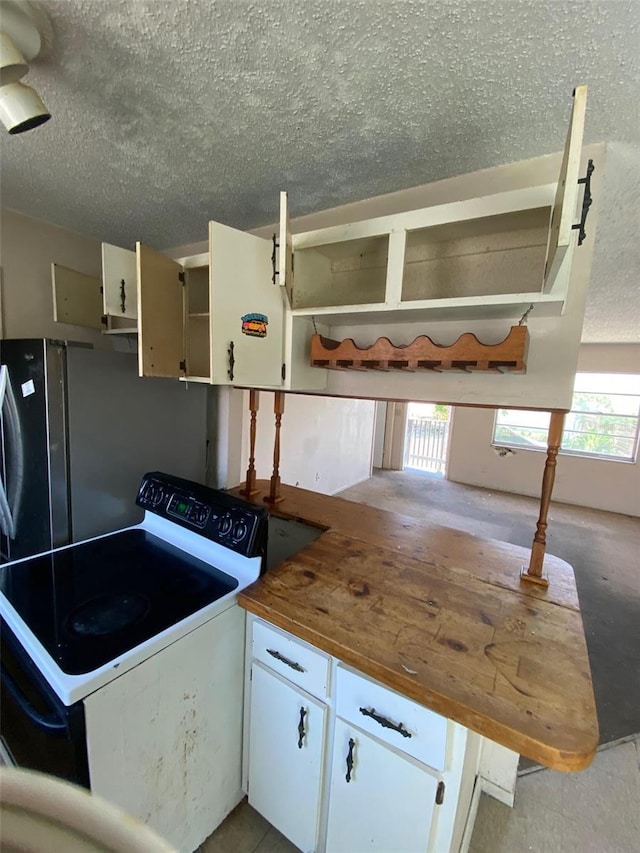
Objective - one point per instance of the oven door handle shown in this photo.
(51, 723)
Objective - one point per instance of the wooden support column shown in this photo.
(534, 573)
(274, 495)
(250, 484)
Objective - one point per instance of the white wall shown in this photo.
(326, 444)
(378, 439)
(28, 247)
(595, 483)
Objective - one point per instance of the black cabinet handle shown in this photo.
(232, 361)
(587, 200)
(384, 722)
(275, 654)
(123, 296)
(352, 743)
(301, 731)
(276, 272)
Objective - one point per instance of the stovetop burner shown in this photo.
(108, 614)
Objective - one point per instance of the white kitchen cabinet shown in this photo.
(379, 801)
(411, 772)
(286, 753)
(487, 257)
(76, 297)
(213, 318)
(119, 290)
(392, 718)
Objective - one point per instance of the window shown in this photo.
(603, 421)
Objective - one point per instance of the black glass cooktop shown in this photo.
(92, 602)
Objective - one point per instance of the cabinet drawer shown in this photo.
(398, 721)
(291, 658)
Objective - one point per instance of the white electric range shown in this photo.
(122, 657)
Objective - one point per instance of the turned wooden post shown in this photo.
(534, 572)
(274, 495)
(250, 484)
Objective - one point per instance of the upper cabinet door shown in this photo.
(563, 212)
(285, 252)
(247, 311)
(76, 298)
(119, 282)
(160, 313)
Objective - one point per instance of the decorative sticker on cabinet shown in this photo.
(255, 325)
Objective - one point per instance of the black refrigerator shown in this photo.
(79, 429)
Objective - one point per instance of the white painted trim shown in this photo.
(471, 817)
(498, 793)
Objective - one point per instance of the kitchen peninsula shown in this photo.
(441, 617)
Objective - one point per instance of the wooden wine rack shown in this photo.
(467, 354)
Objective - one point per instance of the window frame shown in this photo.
(584, 454)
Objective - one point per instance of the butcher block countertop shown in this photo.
(442, 617)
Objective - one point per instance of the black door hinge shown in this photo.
(440, 794)
(103, 319)
(183, 366)
(101, 289)
(181, 277)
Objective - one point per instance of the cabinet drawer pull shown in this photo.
(276, 245)
(275, 654)
(384, 722)
(301, 731)
(352, 743)
(232, 360)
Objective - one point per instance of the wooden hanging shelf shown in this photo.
(467, 354)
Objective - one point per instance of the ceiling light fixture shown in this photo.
(21, 107)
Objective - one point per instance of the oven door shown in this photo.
(38, 730)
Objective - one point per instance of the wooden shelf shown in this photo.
(467, 354)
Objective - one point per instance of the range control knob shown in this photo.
(154, 493)
(224, 525)
(239, 530)
(201, 514)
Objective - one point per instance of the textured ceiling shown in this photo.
(168, 113)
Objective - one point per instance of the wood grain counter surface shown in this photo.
(441, 616)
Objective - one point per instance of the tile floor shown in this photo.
(594, 811)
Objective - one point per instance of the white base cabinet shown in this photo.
(378, 800)
(286, 752)
(342, 764)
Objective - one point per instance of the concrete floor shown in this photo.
(595, 811)
(598, 809)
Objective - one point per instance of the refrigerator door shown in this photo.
(33, 447)
(120, 427)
